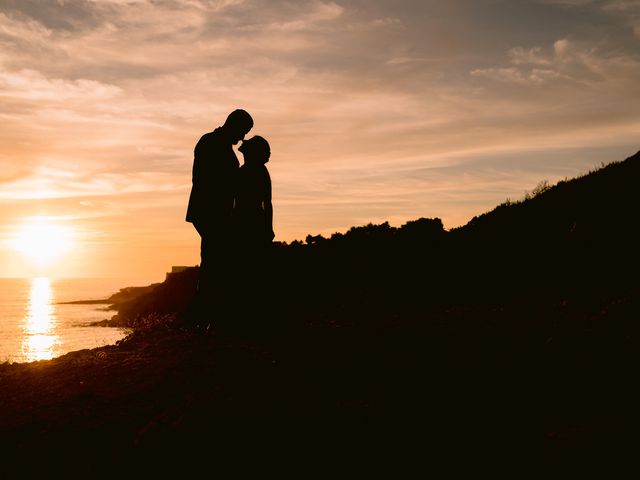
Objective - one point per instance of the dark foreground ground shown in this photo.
(547, 380)
(514, 337)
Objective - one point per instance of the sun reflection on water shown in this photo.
(40, 321)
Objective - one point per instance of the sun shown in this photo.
(42, 240)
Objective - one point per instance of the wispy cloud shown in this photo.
(566, 60)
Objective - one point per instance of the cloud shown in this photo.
(568, 3)
(522, 56)
(622, 6)
(626, 10)
(318, 13)
(535, 76)
(32, 85)
(48, 183)
(629, 10)
(565, 61)
(386, 22)
(69, 15)
(560, 47)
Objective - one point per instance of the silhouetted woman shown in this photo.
(253, 211)
(253, 220)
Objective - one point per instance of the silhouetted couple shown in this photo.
(230, 207)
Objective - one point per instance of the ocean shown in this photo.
(34, 325)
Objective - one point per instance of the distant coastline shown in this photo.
(86, 302)
(122, 296)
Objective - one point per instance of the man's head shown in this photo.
(237, 125)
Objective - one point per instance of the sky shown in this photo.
(375, 110)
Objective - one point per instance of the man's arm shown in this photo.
(193, 207)
(197, 172)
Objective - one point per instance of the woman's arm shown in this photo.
(268, 207)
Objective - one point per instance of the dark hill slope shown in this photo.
(581, 232)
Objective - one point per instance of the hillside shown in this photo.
(574, 239)
(580, 232)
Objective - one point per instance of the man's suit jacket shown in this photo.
(214, 176)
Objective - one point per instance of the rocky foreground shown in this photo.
(560, 379)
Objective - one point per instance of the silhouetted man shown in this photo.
(215, 169)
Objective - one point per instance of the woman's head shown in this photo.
(256, 149)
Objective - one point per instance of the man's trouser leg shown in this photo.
(215, 281)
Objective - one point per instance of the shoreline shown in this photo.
(85, 302)
(109, 320)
